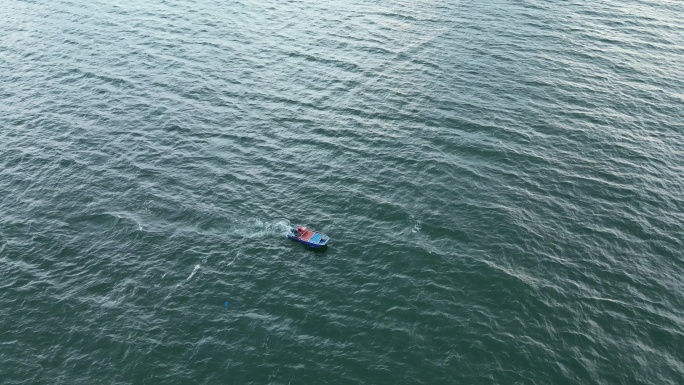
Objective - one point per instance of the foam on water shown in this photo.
(255, 228)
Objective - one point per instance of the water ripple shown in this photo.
(502, 183)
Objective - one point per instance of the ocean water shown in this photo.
(502, 181)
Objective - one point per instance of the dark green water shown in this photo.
(503, 183)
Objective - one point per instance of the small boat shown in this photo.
(308, 237)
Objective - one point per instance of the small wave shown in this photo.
(192, 274)
(126, 216)
(236, 257)
(197, 266)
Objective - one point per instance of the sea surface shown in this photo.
(502, 181)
